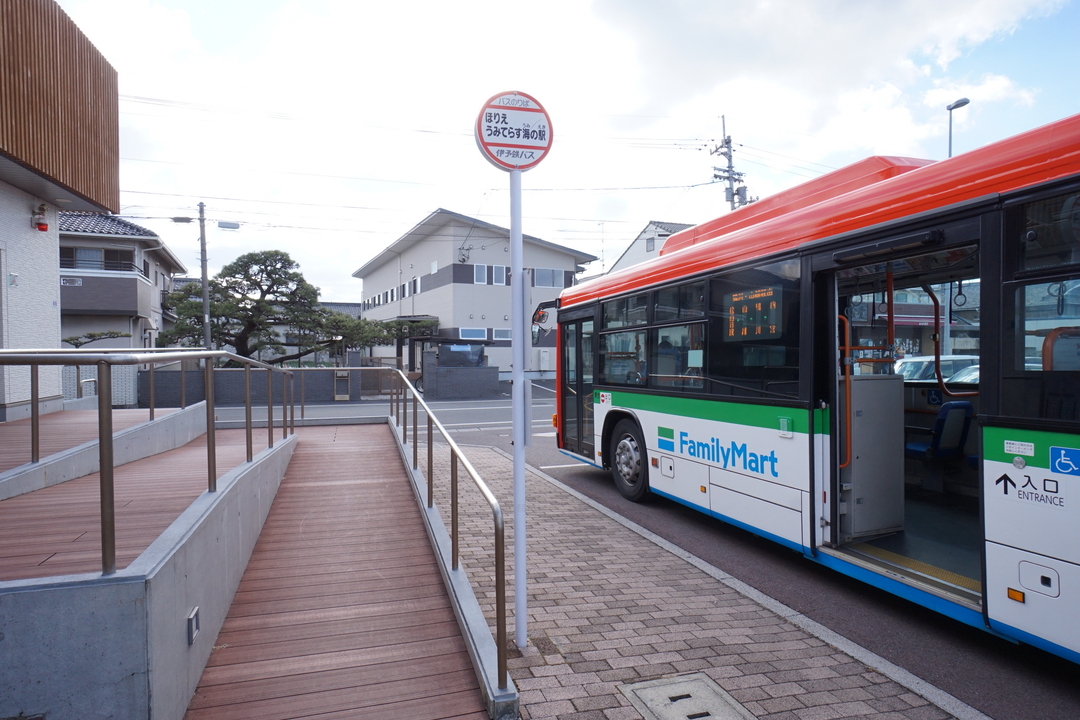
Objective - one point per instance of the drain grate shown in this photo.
(684, 697)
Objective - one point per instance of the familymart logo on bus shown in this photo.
(733, 455)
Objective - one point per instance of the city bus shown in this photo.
(750, 372)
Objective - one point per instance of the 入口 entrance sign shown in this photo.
(513, 131)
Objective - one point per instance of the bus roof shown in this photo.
(810, 212)
(866, 172)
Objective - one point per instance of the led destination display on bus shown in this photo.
(753, 314)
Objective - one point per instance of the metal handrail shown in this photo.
(399, 412)
(104, 360)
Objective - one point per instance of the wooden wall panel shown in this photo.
(59, 113)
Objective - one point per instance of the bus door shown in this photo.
(905, 448)
(577, 389)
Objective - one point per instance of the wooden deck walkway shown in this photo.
(341, 612)
(61, 431)
(57, 530)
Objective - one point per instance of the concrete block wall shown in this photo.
(318, 386)
(125, 387)
(458, 383)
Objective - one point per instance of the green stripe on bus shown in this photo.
(996, 439)
(664, 432)
(765, 416)
(821, 421)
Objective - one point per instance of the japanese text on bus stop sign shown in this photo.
(513, 131)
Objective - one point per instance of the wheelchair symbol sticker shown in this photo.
(933, 397)
(1065, 460)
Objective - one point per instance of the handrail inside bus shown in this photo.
(937, 347)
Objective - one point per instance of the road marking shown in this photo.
(552, 467)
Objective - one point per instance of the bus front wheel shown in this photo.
(628, 462)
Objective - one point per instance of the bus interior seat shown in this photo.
(948, 435)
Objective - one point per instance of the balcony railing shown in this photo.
(108, 265)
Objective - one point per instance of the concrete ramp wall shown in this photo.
(167, 432)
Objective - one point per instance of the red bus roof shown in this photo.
(866, 172)
(1047, 153)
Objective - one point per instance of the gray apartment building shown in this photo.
(457, 269)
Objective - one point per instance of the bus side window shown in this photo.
(1041, 365)
(622, 358)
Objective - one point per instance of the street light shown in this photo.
(958, 104)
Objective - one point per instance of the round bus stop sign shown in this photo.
(513, 131)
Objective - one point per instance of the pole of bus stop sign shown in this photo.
(513, 132)
(517, 310)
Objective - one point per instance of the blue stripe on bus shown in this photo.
(949, 608)
(580, 459)
(668, 445)
(797, 547)
(1034, 640)
(925, 599)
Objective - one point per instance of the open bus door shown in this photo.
(904, 490)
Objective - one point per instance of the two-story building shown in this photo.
(457, 269)
(114, 276)
(59, 149)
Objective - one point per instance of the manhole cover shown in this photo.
(685, 697)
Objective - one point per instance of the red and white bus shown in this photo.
(749, 372)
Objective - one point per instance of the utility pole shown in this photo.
(735, 196)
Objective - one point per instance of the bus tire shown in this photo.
(629, 464)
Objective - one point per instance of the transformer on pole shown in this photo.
(736, 196)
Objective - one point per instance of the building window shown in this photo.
(498, 274)
(393, 294)
(650, 244)
(416, 286)
(480, 274)
(547, 277)
(472, 333)
(501, 334)
(434, 266)
(89, 258)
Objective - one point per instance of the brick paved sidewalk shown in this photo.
(608, 607)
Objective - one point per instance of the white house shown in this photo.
(457, 269)
(647, 244)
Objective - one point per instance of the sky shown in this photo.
(329, 128)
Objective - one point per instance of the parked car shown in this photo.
(921, 367)
(970, 374)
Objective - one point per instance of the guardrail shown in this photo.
(401, 391)
(104, 360)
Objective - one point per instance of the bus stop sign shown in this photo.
(513, 131)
